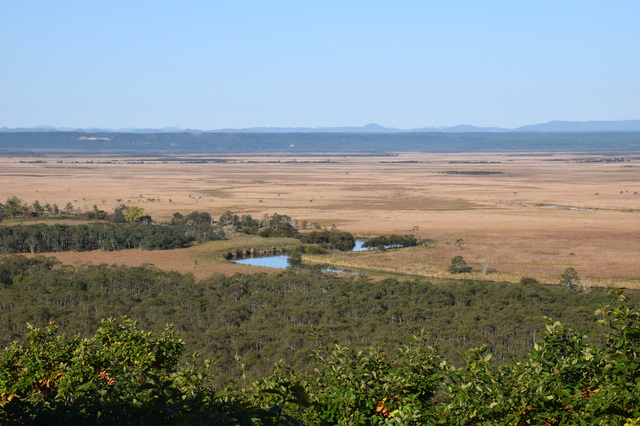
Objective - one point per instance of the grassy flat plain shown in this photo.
(519, 214)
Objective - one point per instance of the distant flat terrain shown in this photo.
(520, 214)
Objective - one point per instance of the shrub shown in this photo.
(458, 266)
(528, 281)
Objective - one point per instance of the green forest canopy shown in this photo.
(265, 318)
(124, 375)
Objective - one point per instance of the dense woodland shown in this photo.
(264, 318)
(127, 227)
(41, 238)
(247, 323)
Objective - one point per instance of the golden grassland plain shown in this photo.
(518, 214)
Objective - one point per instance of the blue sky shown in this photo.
(232, 64)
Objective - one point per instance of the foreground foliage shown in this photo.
(123, 375)
(565, 380)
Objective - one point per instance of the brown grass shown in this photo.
(201, 260)
(498, 216)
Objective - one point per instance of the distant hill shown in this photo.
(583, 126)
(462, 128)
(552, 126)
(369, 128)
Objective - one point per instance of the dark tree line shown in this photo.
(332, 240)
(274, 226)
(15, 208)
(124, 229)
(129, 227)
(389, 241)
(41, 238)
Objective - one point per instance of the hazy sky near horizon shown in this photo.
(233, 64)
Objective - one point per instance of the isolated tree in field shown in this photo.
(458, 266)
(570, 278)
(485, 267)
(459, 242)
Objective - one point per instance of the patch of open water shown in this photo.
(282, 261)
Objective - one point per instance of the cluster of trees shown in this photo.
(283, 226)
(274, 226)
(42, 238)
(388, 241)
(193, 218)
(330, 239)
(181, 229)
(14, 208)
(123, 375)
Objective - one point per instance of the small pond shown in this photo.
(282, 261)
(358, 246)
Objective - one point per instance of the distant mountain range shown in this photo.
(551, 126)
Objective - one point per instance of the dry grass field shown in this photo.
(522, 215)
(200, 260)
